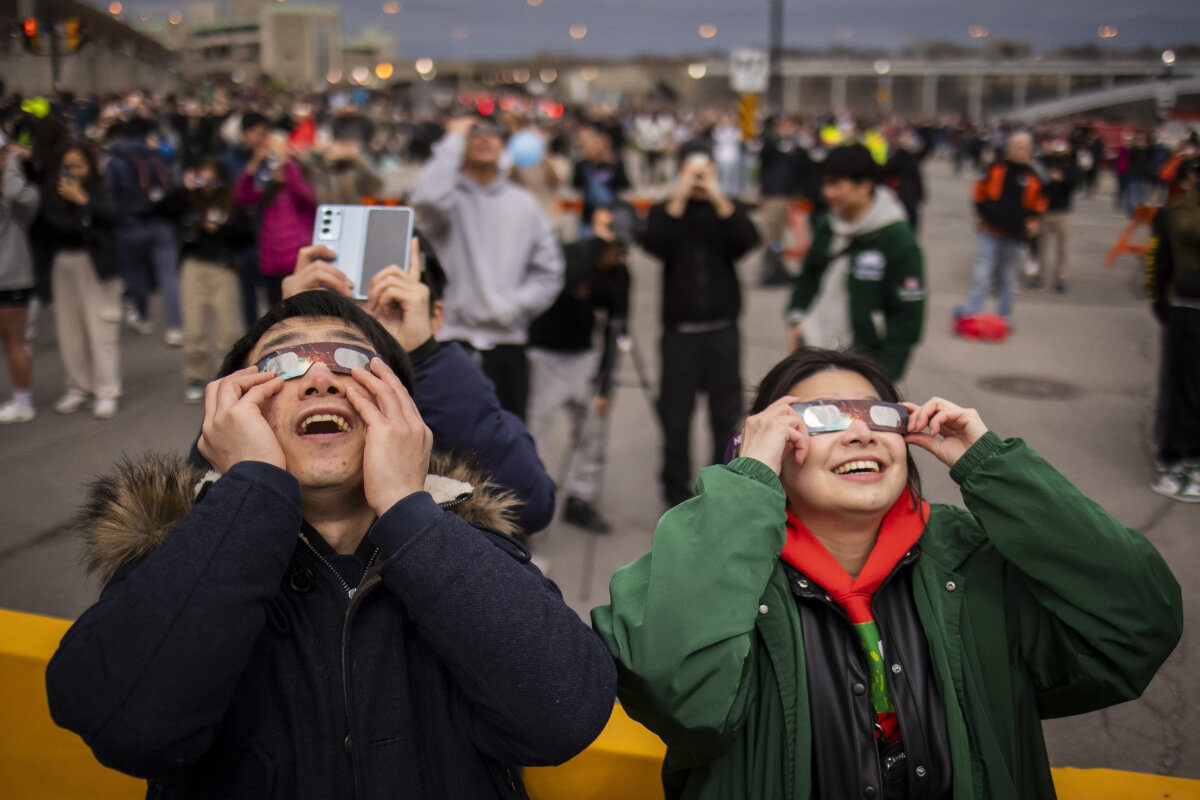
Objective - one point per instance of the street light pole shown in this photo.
(775, 87)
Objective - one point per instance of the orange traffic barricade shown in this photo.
(1125, 244)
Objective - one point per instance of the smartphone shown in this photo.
(367, 240)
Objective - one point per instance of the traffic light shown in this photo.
(30, 28)
(74, 34)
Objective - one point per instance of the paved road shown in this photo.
(1098, 338)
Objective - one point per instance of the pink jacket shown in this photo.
(286, 224)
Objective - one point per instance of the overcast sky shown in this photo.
(488, 29)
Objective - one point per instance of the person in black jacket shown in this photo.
(1061, 179)
(567, 372)
(78, 216)
(787, 174)
(699, 234)
(214, 232)
(325, 618)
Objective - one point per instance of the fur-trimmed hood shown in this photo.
(130, 511)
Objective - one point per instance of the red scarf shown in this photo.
(901, 528)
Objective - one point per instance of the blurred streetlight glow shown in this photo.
(521, 76)
(1107, 31)
(578, 31)
(589, 73)
(175, 18)
(114, 8)
(334, 76)
(708, 31)
(424, 65)
(548, 75)
(1168, 57)
(534, 3)
(883, 66)
(697, 70)
(360, 75)
(383, 70)
(977, 31)
(391, 7)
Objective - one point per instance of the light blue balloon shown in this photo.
(526, 148)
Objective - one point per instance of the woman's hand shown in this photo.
(396, 454)
(234, 427)
(775, 433)
(958, 428)
(70, 190)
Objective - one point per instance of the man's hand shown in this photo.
(261, 154)
(460, 125)
(313, 271)
(708, 182)
(396, 455)
(234, 428)
(959, 428)
(400, 301)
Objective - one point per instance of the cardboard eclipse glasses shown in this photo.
(830, 416)
(292, 362)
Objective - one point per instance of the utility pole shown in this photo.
(775, 88)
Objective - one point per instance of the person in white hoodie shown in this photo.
(862, 284)
(503, 263)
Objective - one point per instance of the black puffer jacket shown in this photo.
(226, 657)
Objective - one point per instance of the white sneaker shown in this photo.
(11, 412)
(174, 337)
(194, 393)
(1177, 483)
(70, 402)
(104, 409)
(142, 326)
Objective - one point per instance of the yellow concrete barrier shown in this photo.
(40, 761)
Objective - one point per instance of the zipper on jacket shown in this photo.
(350, 591)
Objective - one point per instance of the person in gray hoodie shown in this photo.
(18, 207)
(503, 263)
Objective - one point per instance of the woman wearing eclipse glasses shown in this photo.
(809, 626)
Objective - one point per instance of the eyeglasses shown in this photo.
(489, 129)
(292, 362)
(830, 416)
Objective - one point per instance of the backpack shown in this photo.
(151, 183)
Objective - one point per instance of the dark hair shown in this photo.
(690, 148)
(221, 197)
(433, 274)
(808, 361)
(1188, 168)
(253, 119)
(850, 162)
(322, 303)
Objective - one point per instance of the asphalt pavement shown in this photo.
(1076, 380)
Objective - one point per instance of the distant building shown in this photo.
(298, 45)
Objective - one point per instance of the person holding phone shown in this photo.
(79, 217)
(213, 233)
(699, 234)
(276, 183)
(809, 626)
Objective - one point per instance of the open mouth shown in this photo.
(858, 468)
(323, 423)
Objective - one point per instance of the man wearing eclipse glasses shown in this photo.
(501, 257)
(332, 615)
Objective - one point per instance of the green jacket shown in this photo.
(1035, 602)
(887, 275)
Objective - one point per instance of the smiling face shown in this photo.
(321, 434)
(857, 472)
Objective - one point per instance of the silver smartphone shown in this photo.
(367, 239)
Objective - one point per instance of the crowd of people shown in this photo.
(332, 591)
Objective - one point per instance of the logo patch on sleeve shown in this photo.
(869, 265)
(911, 289)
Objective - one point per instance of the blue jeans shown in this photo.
(144, 245)
(993, 254)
